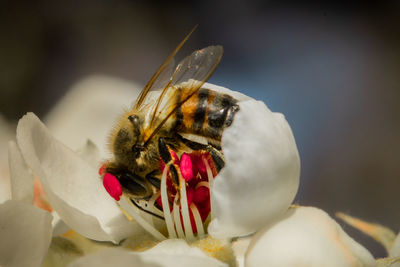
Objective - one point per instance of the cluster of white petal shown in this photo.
(261, 175)
(169, 253)
(306, 236)
(71, 184)
(394, 251)
(252, 194)
(25, 233)
(6, 134)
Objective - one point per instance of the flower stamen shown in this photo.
(178, 223)
(151, 205)
(191, 200)
(185, 210)
(197, 220)
(127, 205)
(210, 179)
(165, 203)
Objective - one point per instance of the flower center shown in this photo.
(185, 209)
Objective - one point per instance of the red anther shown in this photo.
(186, 167)
(112, 185)
(204, 209)
(190, 195)
(200, 167)
(198, 164)
(201, 194)
(102, 169)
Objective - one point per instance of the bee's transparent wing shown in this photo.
(197, 68)
(162, 76)
(191, 73)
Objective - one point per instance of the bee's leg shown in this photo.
(154, 180)
(217, 157)
(192, 145)
(167, 158)
(215, 153)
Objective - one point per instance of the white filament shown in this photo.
(151, 205)
(197, 220)
(131, 210)
(210, 181)
(165, 203)
(178, 223)
(185, 210)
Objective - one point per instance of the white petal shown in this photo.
(109, 257)
(177, 253)
(395, 250)
(59, 226)
(261, 175)
(5, 188)
(306, 236)
(21, 176)
(90, 110)
(73, 187)
(90, 153)
(25, 233)
(240, 247)
(62, 251)
(169, 253)
(6, 134)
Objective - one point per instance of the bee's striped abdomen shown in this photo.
(201, 110)
(206, 113)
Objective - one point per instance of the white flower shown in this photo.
(306, 237)
(22, 182)
(253, 190)
(25, 233)
(6, 134)
(258, 183)
(261, 175)
(71, 184)
(169, 253)
(395, 249)
(394, 252)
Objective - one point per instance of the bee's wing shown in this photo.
(161, 78)
(191, 73)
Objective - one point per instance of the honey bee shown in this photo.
(185, 116)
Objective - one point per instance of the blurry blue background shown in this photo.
(332, 68)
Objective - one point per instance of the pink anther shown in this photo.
(186, 167)
(112, 185)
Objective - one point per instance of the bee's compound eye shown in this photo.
(133, 184)
(112, 186)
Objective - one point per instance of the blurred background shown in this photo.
(332, 67)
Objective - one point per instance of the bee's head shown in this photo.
(126, 142)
